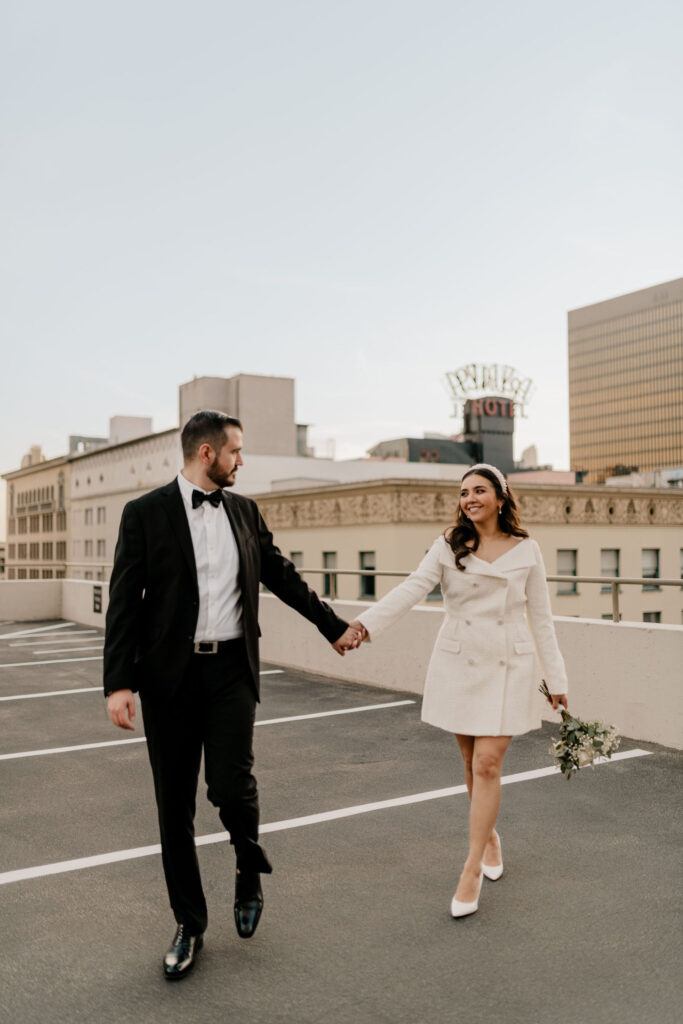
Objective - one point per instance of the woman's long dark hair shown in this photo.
(463, 536)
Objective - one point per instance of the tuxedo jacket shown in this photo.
(154, 596)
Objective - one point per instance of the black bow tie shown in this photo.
(199, 496)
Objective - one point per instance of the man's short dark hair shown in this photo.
(206, 427)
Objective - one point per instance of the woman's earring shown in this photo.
(500, 510)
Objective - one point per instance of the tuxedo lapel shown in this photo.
(175, 509)
(239, 530)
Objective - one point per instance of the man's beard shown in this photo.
(220, 477)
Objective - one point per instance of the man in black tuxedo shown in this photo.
(182, 629)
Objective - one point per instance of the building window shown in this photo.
(12, 552)
(21, 551)
(87, 575)
(48, 520)
(88, 517)
(61, 550)
(566, 566)
(101, 514)
(47, 551)
(34, 524)
(34, 551)
(609, 565)
(88, 549)
(22, 524)
(21, 574)
(652, 616)
(12, 525)
(367, 583)
(297, 559)
(47, 574)
(60, 574)
(650, 567)
(34, 574)
(101, 548)
(329, 581)
(61, 522)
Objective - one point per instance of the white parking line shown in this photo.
(51, 661)
(61, 661)
(141, 739)
(92, 689)
(37, 629)
(52, 693)
(328, 714)
(63, 638)
(80, 863)
(68, 650)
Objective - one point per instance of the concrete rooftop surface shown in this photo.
(365, 821)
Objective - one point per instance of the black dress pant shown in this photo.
(212, 711)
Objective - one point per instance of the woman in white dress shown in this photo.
(483, 675)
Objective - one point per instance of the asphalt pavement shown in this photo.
(367, 839)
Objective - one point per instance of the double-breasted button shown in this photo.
(500, 622)
(502, 661)
(468, 622)
(470, 661)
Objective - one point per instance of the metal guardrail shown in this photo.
(614, 582)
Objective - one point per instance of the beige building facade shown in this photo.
(264, 406)
(38, 518)
(582, 531)
(102, 481)
(626, 382)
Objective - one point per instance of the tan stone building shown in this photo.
(582, 531)
(38, 518)
(626, 382)
(102, 481)
(264, 405)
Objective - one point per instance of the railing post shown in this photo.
(615, 602)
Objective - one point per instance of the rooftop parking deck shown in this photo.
(365, 818)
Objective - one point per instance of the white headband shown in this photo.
(492, 469)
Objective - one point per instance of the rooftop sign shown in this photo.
(476, 380)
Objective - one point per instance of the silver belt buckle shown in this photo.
(211, 644)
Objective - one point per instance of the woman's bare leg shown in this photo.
(487, 762)
(492, 854)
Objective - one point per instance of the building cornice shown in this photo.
(433, 501)
(38, 467)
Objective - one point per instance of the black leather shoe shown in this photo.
(182, 954)
(248, 902)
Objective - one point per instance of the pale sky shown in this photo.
(359, 195)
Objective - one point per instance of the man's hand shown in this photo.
(351, 638)
(121, 708)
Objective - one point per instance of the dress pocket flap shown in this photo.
(450, 645)
(524, 647)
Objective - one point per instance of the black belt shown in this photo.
(215, 646)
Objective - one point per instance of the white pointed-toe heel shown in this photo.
(460, 909)
(494, 871)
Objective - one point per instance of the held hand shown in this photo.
(557, 699)
(121, 708)
(351, 638)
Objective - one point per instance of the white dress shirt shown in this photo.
(217, 560)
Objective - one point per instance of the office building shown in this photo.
(626, 383)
